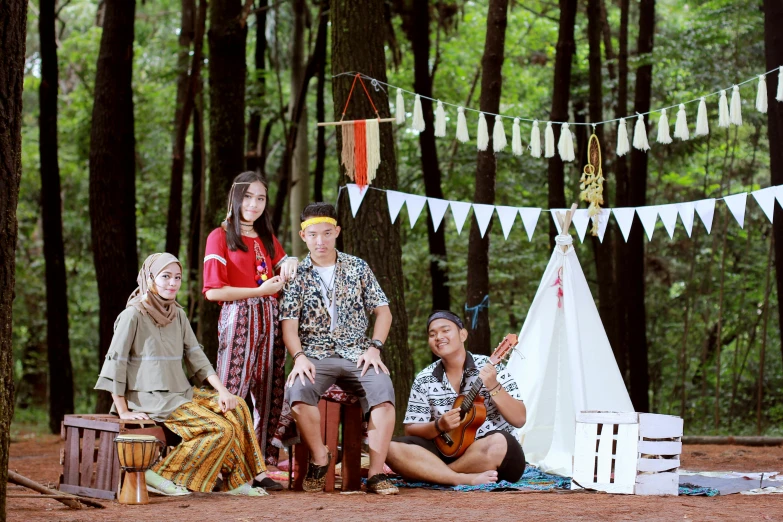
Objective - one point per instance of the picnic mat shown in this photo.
(732, 482)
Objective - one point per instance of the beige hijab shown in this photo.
(146, 298)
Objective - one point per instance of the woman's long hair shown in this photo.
(262, 225)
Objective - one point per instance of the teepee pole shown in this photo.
(565, 222)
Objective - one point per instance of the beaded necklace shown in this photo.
(260, 264)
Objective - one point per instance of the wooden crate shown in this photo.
(90, 464)
(334, 414)
(626, 452)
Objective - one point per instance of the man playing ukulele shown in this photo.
(496, 454)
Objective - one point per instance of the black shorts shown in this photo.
(511, 468)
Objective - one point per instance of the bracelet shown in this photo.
(437, 425)
(493, 393)
(494, 388)
(297, 354)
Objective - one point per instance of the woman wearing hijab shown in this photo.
(144, 373)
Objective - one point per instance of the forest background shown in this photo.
(708, 344)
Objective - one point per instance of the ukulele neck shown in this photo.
(467, 403)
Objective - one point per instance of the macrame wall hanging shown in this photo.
(592, 182)
(361, 153)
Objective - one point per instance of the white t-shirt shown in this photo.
(327, 275)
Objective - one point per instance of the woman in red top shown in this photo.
(241, 258)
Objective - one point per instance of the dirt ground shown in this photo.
(37, 457)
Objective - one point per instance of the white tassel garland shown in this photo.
(549, 141)
(723, 110)
(640, 135)
(761, 95)
(535, 140)
(462, 126)
(622, 139)
(418, 115)
(681, 125)
(663, 129)
(440, 121)
(702, 124)
(399, 107)
(779, 96)
(566, 144)
(482, 137)
(735, 109)
(499, 140)
(516, 139)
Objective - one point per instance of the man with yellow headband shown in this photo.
(324, 317)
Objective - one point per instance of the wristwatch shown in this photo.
(377, 344)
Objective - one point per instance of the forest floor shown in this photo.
(37, 457)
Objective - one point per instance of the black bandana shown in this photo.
(445, 314)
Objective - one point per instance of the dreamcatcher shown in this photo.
(592, 182)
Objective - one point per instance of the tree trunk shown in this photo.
(254, 160)
(418, 28)
(566, 47)
(196, 235)
(477, 302)
(299, 179)
(13, 33)
(227, 69)
(637, 332)
(320, 105)
(113, 173)
(773, 50)
(604, 251)
(359, 46)
(58, 344)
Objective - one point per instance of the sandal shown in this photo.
(268, 484)
(162, 486)
(381, 484)
(246, 490)
(315, 480)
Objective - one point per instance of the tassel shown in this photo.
(663, 129)
(735, 109)
(440, 121)
(640, 135)
(418, 115)
(499, 140)
(549, 141)
(723, 110)
(360, 152)
(681, 125)
(702, 124)
(761, 95)
(482, 137)
(399, 107)
(373, 149)
(566, 144)
(347, 155)
(779, 97)
(462, 126)
(516, 139)
(622, 139)
(535, 140)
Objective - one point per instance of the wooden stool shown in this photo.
(90, 464)
(332, 415)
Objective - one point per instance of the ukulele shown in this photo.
(473, 412)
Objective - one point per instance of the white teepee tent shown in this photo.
(563, 362)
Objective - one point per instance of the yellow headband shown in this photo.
(316, 220)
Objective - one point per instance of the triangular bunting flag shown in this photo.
(624, 217)
(395, 201)
(779, 194)
(529, 219)
(648, 216)
(668, 215)
(686, 216)
(603, 221)
(706, 210)
(766, 200)
(415, 205)
(736, 204)
(438, 209)
(580, 220)
(459, 211)
(483, 215)
(356, 195)
(507, 216)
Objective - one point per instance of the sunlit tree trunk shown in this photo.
(320, 104)
(254, 159)
(299, 180)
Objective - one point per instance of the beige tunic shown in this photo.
(145, 363)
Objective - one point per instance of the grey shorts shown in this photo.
(372, 389)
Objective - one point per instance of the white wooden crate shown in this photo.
(627, 452)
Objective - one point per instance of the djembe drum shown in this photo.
(137, 454)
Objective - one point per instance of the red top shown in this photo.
(222, 267)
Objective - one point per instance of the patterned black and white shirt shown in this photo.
(432, 394)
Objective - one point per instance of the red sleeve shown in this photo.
(279, 253)
(215, 255)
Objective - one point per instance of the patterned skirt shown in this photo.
(212, 442)
(251, 359)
